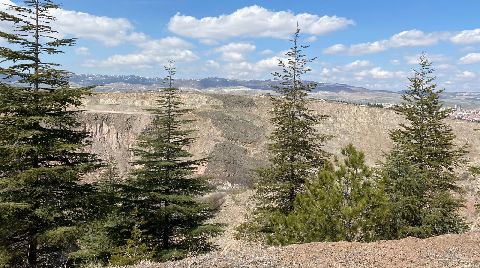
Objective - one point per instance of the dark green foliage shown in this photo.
(41, 158)
(475, 170)
(101, 237)
(419, 170)
(163, 189)
(134, 251)
(295, 152)
(348, 203)
(295, 148)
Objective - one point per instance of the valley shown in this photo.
(232, 129)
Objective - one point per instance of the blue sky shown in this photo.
(374, 43)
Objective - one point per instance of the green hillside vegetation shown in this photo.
(347, 203)
(415, 193)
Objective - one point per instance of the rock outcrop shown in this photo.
(232, 130)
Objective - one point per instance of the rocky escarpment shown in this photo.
(232, 129)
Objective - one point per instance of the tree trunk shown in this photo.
(32, 251)
(166, 230)
(291, 197)
(166, 234)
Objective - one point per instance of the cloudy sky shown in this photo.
(373, 43)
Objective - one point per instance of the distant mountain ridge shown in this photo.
(328, 91)
(205, 83)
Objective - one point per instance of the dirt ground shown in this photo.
(461, 250)
(444, 251)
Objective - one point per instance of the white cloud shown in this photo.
(109, 31)
(255, 21)
(267, 52)
(470, 58)
(151, 53)
(5, 26)
(365, 76)
(251, 70)
(269, 64)
(116, 31)
(467, 37)
(413, 38)
(378, 73)
(335, 49)
(357, 64)
(208, 42)
(410, 38)
(167, 42)
(82, 51)
(368, 48)
(212, 64)
(395, 62)
(235, 51)
(415, 59)
(312, 39)
(443, 66)
(466, 75)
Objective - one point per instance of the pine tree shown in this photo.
(41, 158)
(295, 148)
(348, 203)
(105, 235)
(420, 170)
(135, 249)
(164, 188)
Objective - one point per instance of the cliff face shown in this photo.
(229, 130)
(232, 130)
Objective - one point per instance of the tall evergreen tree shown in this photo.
(420, 170)
(41, 158)
(295, 148)
(164, 189)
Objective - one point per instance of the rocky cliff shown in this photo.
(232, 130)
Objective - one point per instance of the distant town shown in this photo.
(472, 115)
(466, 105)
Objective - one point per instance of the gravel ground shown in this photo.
(443, 251)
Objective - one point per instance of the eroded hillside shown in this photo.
(232, 130)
